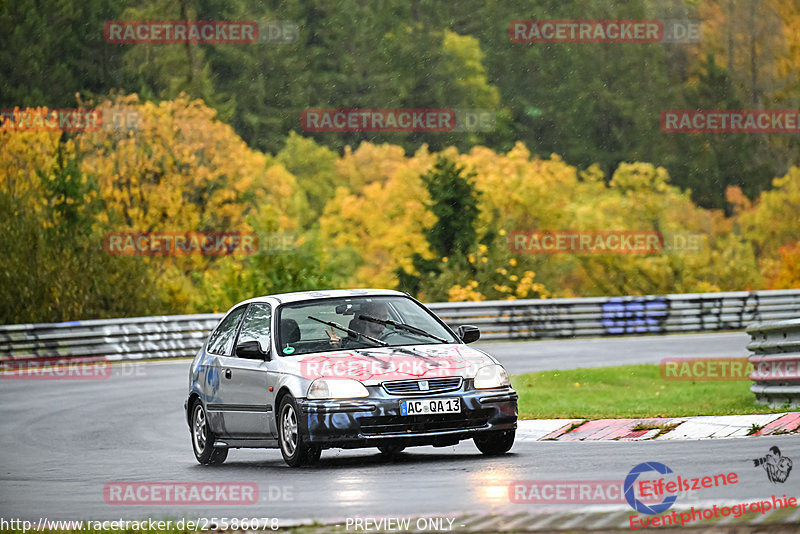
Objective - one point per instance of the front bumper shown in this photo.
(375, 420)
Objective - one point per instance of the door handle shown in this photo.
(227, 373)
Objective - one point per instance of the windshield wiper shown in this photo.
(350, 331)
(401, 326)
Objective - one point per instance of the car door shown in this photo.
(244, 382)
(219, 342)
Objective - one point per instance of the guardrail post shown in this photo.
(775, 347)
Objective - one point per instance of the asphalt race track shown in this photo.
(63, 441)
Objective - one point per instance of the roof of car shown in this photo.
(297, 296)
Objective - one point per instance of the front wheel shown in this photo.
(295, 450)
(203, 438)
(495, 443)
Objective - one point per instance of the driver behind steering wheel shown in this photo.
(376, 310)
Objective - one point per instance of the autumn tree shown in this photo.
(376, 223)
(771, 226)
(54, 267)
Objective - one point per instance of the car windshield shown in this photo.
(356, 322)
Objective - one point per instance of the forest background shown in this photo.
(217, 146)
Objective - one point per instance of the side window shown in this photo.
(256, 326)
(221, 340)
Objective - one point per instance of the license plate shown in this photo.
(429, 406)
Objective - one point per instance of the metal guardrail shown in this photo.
(776, 362)
(166, 336)
(602, 316)
(182, 335)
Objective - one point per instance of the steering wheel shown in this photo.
(384, 335)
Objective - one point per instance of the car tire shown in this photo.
(313, 455)
(390, 451)
(295, 450)
(495, 443)
(203, 438)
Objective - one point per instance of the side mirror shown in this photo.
(469, 333)
(251, 350)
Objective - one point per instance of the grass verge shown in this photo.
(628, 391)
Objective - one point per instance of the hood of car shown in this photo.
(372, 366)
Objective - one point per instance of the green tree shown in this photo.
(314, 167)
(710, 163)
(52, 50)
(454, 202)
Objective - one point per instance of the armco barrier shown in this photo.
(182, 335)
(167, 336)
(776, 347)
(601, 316)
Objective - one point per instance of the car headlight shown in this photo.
(336, 388)
(491, 376)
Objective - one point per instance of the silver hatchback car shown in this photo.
(314, 370)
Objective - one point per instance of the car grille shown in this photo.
(411, 424)
(436, 385)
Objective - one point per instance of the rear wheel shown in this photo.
(203, 438)
(295, 450)
(495, 443)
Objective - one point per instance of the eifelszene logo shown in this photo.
(669, 488)
(630, 495)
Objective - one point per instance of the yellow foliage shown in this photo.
(183, 170)
(180, 170)
(773, 220)
(788, 272)
(384, 221)
(467, 293)
(22, 153)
